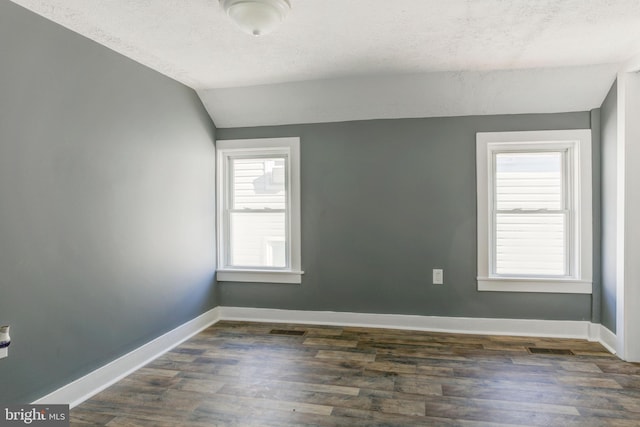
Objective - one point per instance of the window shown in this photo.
(534, 211)
(259, 210)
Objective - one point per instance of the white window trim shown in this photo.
(580, 281)
(290, 146)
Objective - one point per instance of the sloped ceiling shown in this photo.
(335, 60)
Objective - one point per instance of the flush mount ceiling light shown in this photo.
(256, 17)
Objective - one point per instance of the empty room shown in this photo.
(319, 213)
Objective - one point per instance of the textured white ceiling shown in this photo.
(339, 40)
(549, 90)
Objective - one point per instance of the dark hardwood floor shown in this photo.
(241, 374)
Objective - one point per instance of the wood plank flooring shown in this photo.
(240, 374)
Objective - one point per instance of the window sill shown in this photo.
(511, 284)
(260, 276)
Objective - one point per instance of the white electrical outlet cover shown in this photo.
(438, 276)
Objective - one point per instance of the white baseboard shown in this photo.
(608, 339)
(466, 325)
(83, 388)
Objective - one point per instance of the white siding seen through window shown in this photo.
(257, 218)
(530, 216)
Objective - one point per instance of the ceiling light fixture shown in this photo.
(256, 17)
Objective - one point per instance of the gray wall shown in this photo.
(609, 132)
(106, 204)
(384, 202)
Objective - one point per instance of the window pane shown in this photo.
(530, 244)
(529, 181)
(257, 239)
(258, 183)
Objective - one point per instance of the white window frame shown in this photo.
(290, 148)
(577, 143)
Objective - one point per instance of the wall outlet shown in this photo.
(438, 276)
(4, 352)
